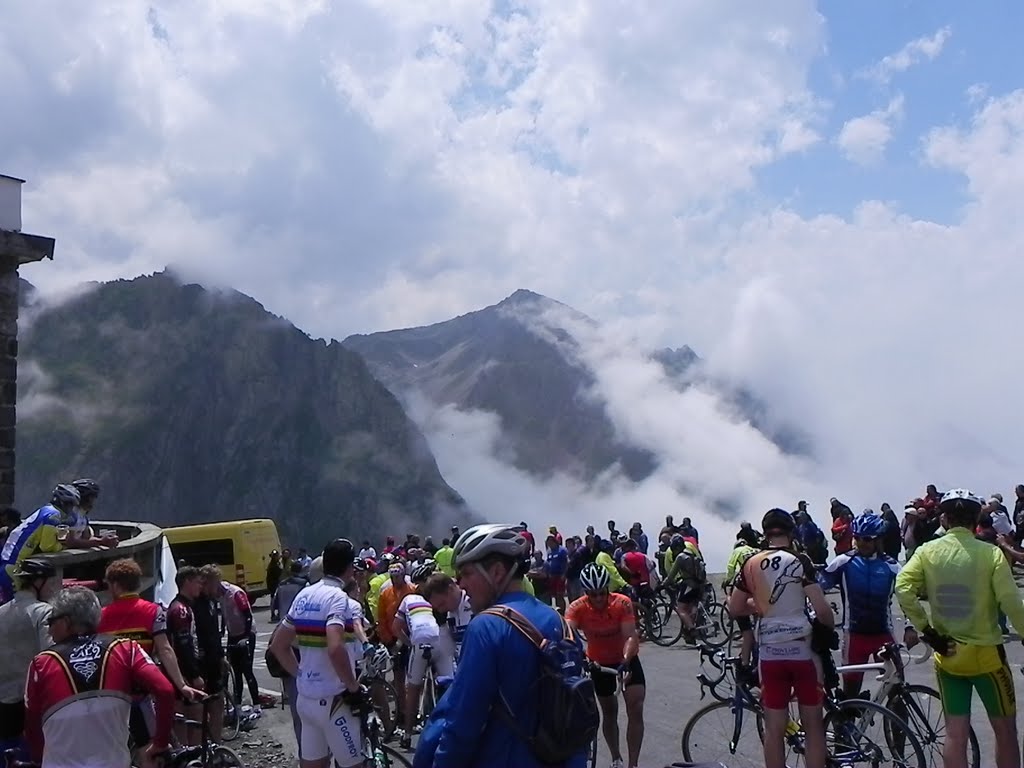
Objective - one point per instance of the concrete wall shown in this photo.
(10, 204)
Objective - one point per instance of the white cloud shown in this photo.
(863, 139)
(361, 165)
(915, 52)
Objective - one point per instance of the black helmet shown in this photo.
(87, 488)
(66, 495)
(34, 569)
(777, 521)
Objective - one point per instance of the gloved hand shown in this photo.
(358, 701)
(942, 644)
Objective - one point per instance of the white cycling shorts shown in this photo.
(329, 729)
(442, 659)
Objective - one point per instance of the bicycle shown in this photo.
(376, 752)
(721, 722)
(913, 703)
(591, 668)
(208, 754)
(707, 627)
(382, 694)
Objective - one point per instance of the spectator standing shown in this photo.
(688, 531)
(670, 528)
(274, 573)
(557, 566)
(1018, 512)
(528, 535)
(304, 559)
(579, 556)
(443, 557)
(286, 560)
(892, 539)
(842, 520)
(24, 632)
(289, 588)
(636, 533)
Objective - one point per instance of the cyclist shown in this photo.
(45, 530)
(741, 552)
(776, 584)
(641, 571)
(209, 635)
(24, 632)
(443, 557)
(605, 560)
(241, 639)
(329, 695)
(687, 577)
(967, 582)
(181, 624)
(499, 665)
(867, 578)
(132, 618)
(82, 534)
(78, 693)
(417, 628)
(394, 591)
(447, 597)
(609, 623)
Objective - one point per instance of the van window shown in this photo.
(198, 553)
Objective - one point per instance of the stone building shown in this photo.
(16, 248)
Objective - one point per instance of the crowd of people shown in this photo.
(483, 612)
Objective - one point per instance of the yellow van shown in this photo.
(240, 547)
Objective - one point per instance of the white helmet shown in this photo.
(490, 539)
(422, 571)
(381, 660)
(960, 496)
(594, 578)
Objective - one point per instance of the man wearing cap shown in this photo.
(24, 632)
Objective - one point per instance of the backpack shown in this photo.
(565, 701)
(700, 569)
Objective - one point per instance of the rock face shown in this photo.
(491, 360)
(189, 405)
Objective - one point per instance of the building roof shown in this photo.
(12, 178)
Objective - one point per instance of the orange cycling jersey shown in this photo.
(603, 628)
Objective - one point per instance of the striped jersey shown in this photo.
(314, 609)
(419, 620)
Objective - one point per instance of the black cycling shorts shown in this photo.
(212, 672)
(690, 595)
(605, 683)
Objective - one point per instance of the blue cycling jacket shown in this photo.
(867, 584)
(465, 729)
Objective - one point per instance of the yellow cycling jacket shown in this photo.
(967, 582)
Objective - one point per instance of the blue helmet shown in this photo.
(868, 526)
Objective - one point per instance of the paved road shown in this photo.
(673, 695)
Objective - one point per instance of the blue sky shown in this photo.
(981, 52)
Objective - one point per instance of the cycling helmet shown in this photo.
(34, 569)
(594, 578)
(380, 660)
(421, 572)
(66, 496)
(87, 488)
(677, 541)
(777, 521)
(491, 539)
(868, 525)
(959, 497)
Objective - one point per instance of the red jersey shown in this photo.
(639, 571)
(133, 618)
(78, 696)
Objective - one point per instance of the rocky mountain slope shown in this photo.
(495, 360)
(190, 405)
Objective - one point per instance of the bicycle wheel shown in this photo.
(224, 757)
(670, 632)
(232, 715)
(709, 626)
(717, 734)
(385, 702)
(389, 756)
(855, 731)
(729, 625)
(920, 707)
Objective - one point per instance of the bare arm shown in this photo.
(281, 647)
(822, 610)
(338, 654)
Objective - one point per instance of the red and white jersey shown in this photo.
(234, 606)
(78, 698)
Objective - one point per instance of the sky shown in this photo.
(819, 198)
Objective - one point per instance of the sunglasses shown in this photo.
(598, 593)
